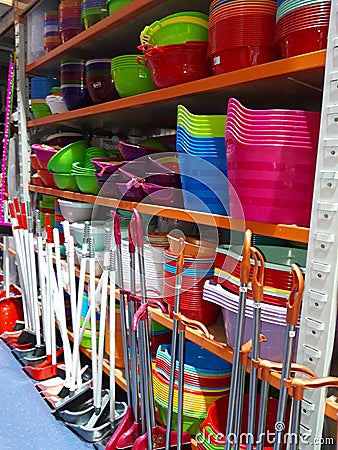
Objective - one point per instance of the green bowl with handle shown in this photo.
(63, 160)
(87, 183)
(66, 181)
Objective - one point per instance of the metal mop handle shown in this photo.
(112, 328)
(293, 308)
(150, 406)
(257, 294)
(178, 288)
(234, 388)
(119, 280)
(6, 134)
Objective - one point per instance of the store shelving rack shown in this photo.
(294, 83)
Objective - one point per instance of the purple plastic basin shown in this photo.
(106, 166)
(155, 167)
(76, 97)
(43, 154)
(274, 332)
(131, 192)
(163, 195)
(131, 152)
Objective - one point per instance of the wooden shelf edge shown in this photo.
(120, 17)
(289, 232)
(279, 68)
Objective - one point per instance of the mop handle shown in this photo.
(6, 132)
(295, 297)
(299, 385)
(245, 263)
(141, 313)
(266, 368)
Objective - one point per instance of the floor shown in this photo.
(25, 418)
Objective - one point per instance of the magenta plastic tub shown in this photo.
(131, 151)
(163, 195)
(44, 154)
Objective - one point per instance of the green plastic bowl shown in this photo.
(132, 80)
(63, 160)
(87, 183)
(66, 181)
(40, 110)
(115, 5)
(176, 29)
(190, 424)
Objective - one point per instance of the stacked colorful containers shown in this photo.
(51, 31)
(271, 158)
(196, 271)
(202, 161)
(93, 11)
(99, 80)
(70, 19)
(206, 379)
(241, 34)
(302, 26)
(73, 84)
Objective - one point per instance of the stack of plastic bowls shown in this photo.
(99, 80)
(73, 84)
(273, 321)
(266, 152)
(211, 435)
(195, 272)
(40, 88)
(302, 26)
(51, 32)
(241, 34)
(277, 279)
(176, 63)
(206, 379)
(93, 11)
(115, 5)
(69, 19)
(177, 28)
(201, 154)
(130, 78)
(85, 171)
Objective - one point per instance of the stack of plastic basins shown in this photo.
(206, 379)
(202, 159)
(302, 26)
(241, 34)
(271, 158)
(196, 271)
(40, 88)
(70, 19)
(93, 11)
(51, 31)
(73, 84)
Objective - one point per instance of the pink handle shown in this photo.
(117, 227)
(130, 238)
(138, 230)
(141, 312)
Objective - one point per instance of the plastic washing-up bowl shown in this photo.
(96, 231)
(87, 183)
(63, 160)
(75, 211)
(115, 5)
(132, 80)
(66, 181)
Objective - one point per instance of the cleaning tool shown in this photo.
(236, 366)
(155, 434)
(257, 295)
(293, 308)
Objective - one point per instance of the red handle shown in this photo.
(24, 216)
(117, 227)
(299, 385)
(245, 264)
(296, 295)
(47, 220)
(49, 238)
(258, 275)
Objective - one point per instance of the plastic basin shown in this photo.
(132, 80)
(75, 211)
(87, 183)
(63, 160)
(66, 181)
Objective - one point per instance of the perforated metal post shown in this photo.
(23, 108)
(319, 312)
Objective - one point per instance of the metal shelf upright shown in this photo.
(319, 310)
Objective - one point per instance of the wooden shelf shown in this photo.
(291, 83)
(112, 36)
(289, 232)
